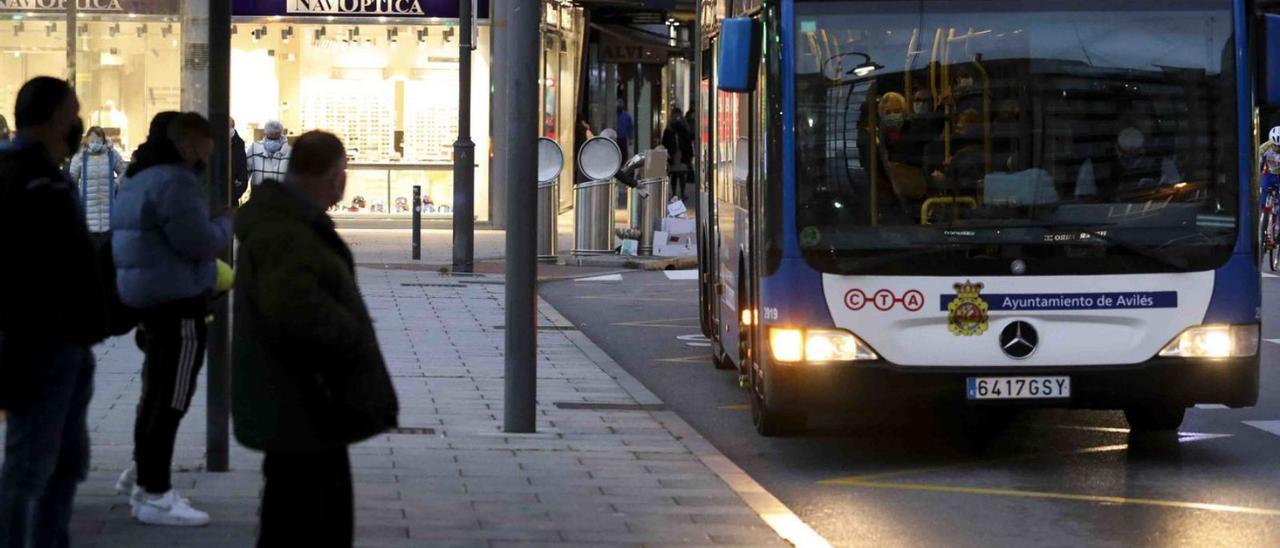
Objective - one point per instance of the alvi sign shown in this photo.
(355, 7)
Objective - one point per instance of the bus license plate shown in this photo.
(1017, 388)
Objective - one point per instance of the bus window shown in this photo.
(981, 126)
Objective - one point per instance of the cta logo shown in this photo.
(884, 300)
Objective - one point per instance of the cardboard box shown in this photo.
(679, 225)
(666, 244)
(676, 208)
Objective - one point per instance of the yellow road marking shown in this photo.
(664, 322)
(634, 298)
(686, 359)
(1051, 495)
(736, 407)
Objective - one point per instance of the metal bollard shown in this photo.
(548, 207)
(417, 222)
(652, 210)
(593, 218)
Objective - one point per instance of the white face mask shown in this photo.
(893, 121)
(95, 146)
(964, 83)
(920, 107)
(273, 145)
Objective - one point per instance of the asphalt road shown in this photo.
(913, 478)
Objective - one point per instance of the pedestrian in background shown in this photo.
(165, 249)
(239, 166)
(626, 129)
(269, 158)
(96, 169)
(309, 378)
(51, 312)
(678, 140)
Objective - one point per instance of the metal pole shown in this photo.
(520, 95)
(417, 222)
(464, 151)
(72, 26)
(217, 425)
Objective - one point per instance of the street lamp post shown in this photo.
(464, 150)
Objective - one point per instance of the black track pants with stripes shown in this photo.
(173, 339)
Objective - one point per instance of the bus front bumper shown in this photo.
(818, 387)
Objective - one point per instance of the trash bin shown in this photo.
(548, 207)
(593, 218)
(651, 211)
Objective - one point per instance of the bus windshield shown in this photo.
(1063, 136)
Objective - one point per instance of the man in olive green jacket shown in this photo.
(309, 378)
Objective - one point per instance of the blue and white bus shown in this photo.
(1047, 203)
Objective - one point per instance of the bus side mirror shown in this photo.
(1271, 59)
(739, 61)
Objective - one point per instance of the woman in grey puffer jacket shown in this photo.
(96, 170)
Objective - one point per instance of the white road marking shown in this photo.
(697, 340)
(1265, 275)
(1211, 406)
(1270, 427)
(1275, 341)
(681, 274)
(604, 278)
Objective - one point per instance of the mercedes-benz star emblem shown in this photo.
(1018, 340)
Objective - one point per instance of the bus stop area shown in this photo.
(608, 464)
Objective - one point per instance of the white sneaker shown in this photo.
(169, 509)
(128, 480)
(136, 498)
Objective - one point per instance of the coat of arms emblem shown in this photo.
(967, 313)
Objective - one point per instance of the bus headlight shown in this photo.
(1214, 341)
(817, 345)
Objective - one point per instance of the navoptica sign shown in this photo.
(1075, 301)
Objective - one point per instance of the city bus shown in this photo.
(981, 203)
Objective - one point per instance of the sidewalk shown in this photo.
(590, 476)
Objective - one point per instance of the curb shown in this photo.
(775, 514)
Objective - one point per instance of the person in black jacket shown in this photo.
(239, 166)
(52, 310)
(309, 378)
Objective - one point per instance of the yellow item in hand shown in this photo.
(226, 277)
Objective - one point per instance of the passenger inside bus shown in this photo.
(1134, 165)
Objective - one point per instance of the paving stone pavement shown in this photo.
(587, 478)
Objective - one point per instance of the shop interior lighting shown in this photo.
(113, 30)
(235, 30)
(50, 29)
(392, 34)
(448, 34)
(82, 29)
(422, 34)
(142, 30)
(167, 30)
(17, 29)
(286, 34)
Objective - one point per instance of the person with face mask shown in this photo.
(305, 351)
(165, 246)
(52, 311)
(239, 166)
(269, 158)
(96, 169)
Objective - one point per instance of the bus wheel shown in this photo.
(1154, 418)
(769, 422)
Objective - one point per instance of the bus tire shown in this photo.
(1155, 418)
(771, 423)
